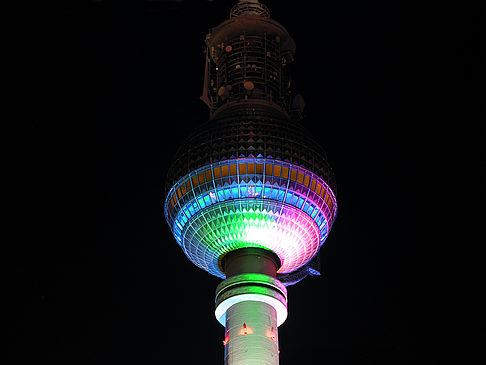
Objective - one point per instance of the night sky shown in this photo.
(108, 91)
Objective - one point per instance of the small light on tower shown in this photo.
(271, 334)
(245, 330)
(226, 339)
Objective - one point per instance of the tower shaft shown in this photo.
(251, 303)
(257, 342)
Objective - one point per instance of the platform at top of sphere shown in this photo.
(250, 202)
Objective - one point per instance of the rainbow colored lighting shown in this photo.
(250, 202)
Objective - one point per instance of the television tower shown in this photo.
(250, 196)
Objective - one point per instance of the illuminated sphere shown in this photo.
(250, 177)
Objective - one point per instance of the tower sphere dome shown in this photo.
(250, 177)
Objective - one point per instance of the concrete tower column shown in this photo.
(251, 303)
(251, 328)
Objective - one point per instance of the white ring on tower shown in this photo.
(279, 307)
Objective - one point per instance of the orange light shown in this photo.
(245, 330)
(226, 339)
(271, 334)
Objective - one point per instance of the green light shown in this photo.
(219, 229)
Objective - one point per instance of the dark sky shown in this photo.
(393, 92)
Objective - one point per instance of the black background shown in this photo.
(108, 90)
